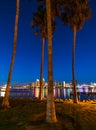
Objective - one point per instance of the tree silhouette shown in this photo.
(5, 102)
(76, 12)
(39, 22)
(50, 113)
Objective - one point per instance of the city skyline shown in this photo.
(28, 55)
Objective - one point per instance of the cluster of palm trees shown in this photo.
(72, 13)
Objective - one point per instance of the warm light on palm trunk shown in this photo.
(6, 97)
(42, 70)
(50, 114)
(73, 64)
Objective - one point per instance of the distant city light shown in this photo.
(37, 80)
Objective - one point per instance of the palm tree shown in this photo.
(5, 102)
(52, 9)
(39, 22)
(76, 12)
(50, 114)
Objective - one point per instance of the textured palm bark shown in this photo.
(50, 113)
(75, 100)
(42, 70)
(5, 102)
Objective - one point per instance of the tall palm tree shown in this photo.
(76, 12)
(52, 10)
(50, 114)
(40, 23)
(5, 102)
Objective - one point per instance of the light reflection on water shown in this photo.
(59, 93)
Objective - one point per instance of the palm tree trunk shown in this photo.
(42, 70)
(5, 102)
(50, 114)
(73, 69)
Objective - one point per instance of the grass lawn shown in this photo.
(30, 114)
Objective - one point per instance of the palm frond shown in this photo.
(75, 12)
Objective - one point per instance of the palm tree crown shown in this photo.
(39, 21)
(75, 12)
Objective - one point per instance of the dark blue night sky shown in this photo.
(27, 62)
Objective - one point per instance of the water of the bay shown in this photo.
(59, 93)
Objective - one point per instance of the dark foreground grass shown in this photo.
(30, 114)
